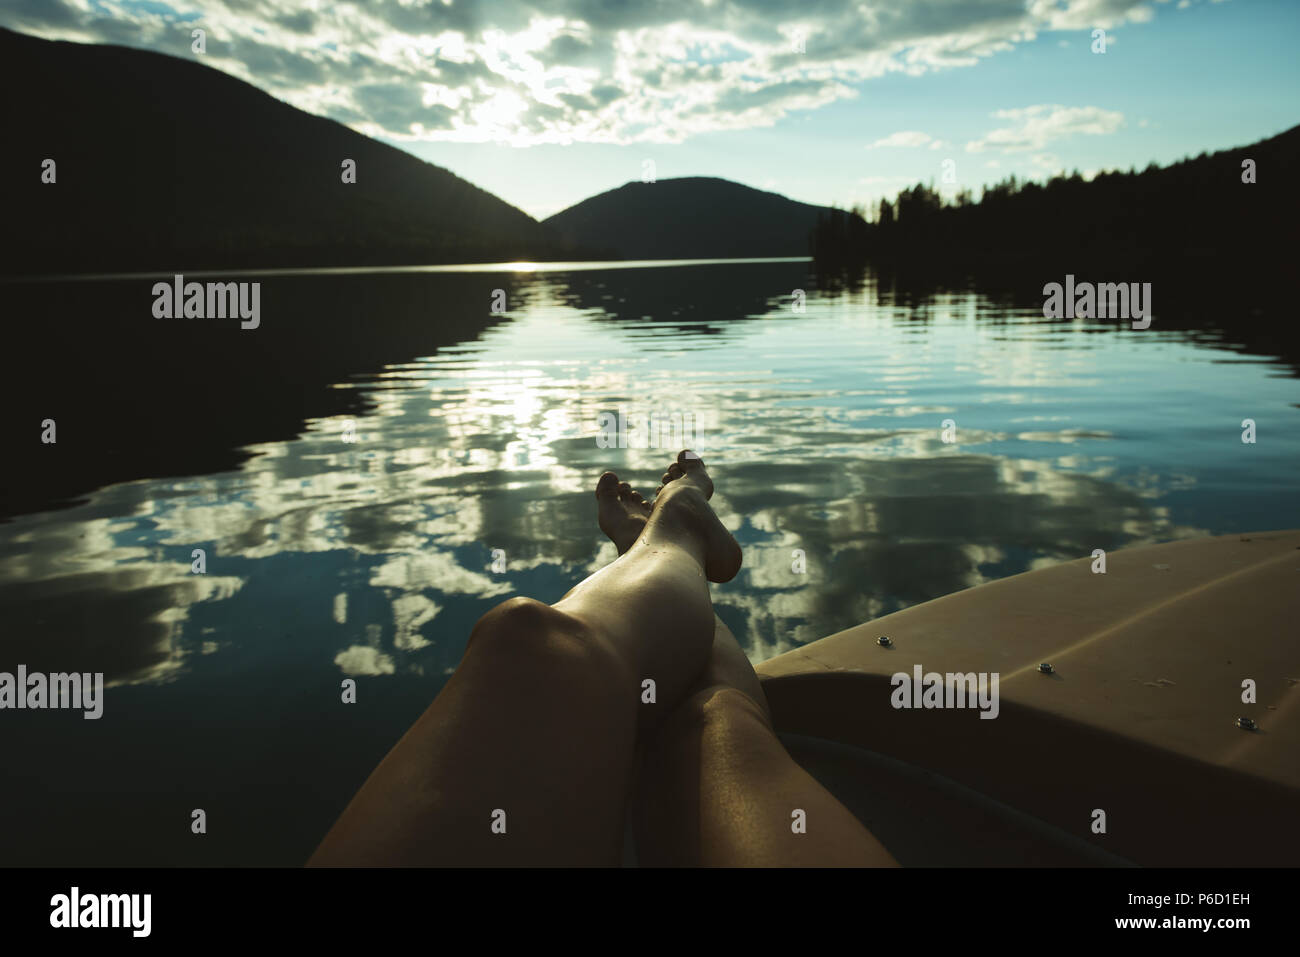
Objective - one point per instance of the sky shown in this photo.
(824, 101)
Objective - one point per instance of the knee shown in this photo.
(535, 635)
(726, 703)
(519, 614)
(720, 709)
(524, 623)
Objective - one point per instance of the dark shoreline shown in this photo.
(138, 397)
(170, 398)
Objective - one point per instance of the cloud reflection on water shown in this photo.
(492, 445)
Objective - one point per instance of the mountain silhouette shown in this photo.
(695, 217)
(1228, 217)
(162, 162)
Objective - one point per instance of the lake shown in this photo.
(411, 458)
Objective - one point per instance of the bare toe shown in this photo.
(691, 467)
(620, 511)
(607, 485)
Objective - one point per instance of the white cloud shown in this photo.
(906, 138)
(1046, 162)
(1033, 127)
(572, 70)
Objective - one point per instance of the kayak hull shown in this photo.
(1137, 719)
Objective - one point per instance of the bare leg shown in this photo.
(715, 784)
(526, 755)
(717, 787)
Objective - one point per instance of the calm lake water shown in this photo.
(823, 428)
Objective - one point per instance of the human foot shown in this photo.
(682, 504)
(621, 512)
(690, 467)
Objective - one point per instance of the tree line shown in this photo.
(1235, 206)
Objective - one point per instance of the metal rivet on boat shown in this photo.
(884, 641)
(1246, 724)
(1045, 668)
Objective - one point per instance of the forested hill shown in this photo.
(1194, 215)
(696, 217)
(162, 162)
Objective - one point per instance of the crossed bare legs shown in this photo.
(541, 741)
